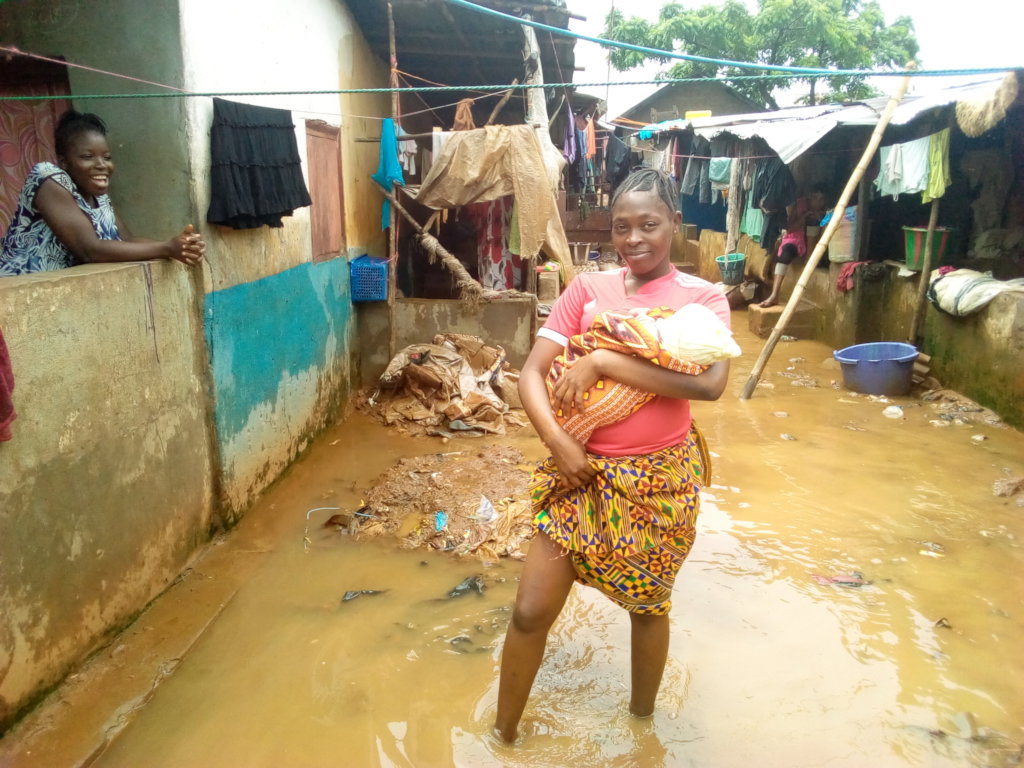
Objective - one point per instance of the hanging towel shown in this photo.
(938, 166)
(904, 167)
(844, 280)
(255, 168)
(389, 172)
(464, 116)
(591, 139)
(7, 413)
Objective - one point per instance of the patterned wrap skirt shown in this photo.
(629, 530)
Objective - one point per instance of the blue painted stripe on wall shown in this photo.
(257, 332)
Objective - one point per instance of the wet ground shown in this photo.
(855, 598)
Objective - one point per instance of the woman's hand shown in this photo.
(580, 377)
(188, 247)
(571, 459)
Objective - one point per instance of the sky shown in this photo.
(982, 33)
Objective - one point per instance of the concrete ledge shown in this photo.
(762, 320)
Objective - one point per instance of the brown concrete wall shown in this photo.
(106, 486)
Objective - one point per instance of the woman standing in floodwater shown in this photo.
(618, 514)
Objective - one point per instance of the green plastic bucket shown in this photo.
(731, 266)
(915, 237)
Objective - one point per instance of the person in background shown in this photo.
(793, 245)
(619, 513)
(64, 216)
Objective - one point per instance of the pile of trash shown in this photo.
(462, 502)
(455, 386)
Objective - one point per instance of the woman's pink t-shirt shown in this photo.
(663, 421)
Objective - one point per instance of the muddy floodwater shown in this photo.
(855, 598)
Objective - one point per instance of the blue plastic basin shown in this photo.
(879, 368)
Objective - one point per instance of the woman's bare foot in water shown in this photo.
(771, 301)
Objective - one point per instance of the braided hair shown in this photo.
(72, 124)
(648, 180)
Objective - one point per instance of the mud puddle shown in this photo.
(855, 597)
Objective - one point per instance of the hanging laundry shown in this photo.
(719, 171)
(7, 412)
(580, 166)
(692, 174)
(752, 222)
(938, 166)
(255, 168)
(569, 136)
(844, 280)
(773, 189)
(437, 141)
(464, 116)
(591, 138)
(389, 172)
(499, 268)
(617, 161)
(406, 152)
(904, 168)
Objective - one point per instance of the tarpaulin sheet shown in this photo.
(493, 162)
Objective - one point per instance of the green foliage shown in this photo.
(821, 34)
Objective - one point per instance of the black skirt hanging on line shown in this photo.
(255, 168)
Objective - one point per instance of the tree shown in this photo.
(820, 34)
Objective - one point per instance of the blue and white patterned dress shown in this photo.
(30, 245)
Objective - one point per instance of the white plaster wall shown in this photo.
(264, 45)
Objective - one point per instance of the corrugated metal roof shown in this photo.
(792, 131)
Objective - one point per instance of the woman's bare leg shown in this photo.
(547, 578)
(649, 652)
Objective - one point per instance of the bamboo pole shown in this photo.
(819, 249)
(926, 268)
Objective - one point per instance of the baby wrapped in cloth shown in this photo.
(688, 341)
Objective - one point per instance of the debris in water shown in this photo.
(788, 338)
(787, 436)
(440, 520)
(781, 415)
(943, 623)
(486, 512)
(352, 594)
(467, 585)
(932, 549)
(893, 412)
(406, 504)
(1008, 486)
(977, 439)
(854, 579)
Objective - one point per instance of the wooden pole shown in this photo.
(504, 100)
(734, 207)
(393, 224)
(819, 249)
(922, 282)
(861, 229)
